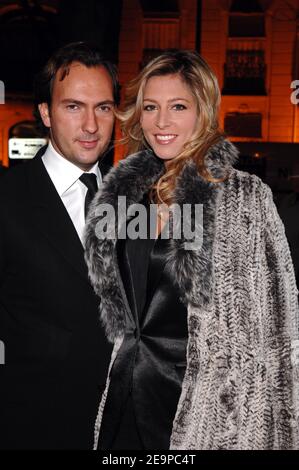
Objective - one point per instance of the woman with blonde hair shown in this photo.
(204, 319)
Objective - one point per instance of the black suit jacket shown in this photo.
(56, 353)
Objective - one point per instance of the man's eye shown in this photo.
(105, 108)
(179, 107)
(72, 107)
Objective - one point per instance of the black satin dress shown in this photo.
(147, 375)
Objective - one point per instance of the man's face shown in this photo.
(81, 114)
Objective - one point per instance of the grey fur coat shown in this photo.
(241, 386)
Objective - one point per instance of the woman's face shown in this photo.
(169, 115)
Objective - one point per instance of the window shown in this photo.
(27, 38)
(161, 27)
(245, 69)
(159, 34)
(158, 9)
(241, 25)
(243, 124)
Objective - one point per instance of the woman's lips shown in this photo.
(88, 144)
(164, 139)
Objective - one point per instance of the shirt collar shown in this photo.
(62, 172)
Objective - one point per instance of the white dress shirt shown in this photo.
(65, 177)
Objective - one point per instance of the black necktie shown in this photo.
(90, 181)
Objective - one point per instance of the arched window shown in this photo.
(27, 39)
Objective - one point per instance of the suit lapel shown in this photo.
(52, 219)
(104, 168)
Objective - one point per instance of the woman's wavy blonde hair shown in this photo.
(202, 82)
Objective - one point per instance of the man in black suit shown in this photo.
(56, 354)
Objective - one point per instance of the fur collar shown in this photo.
(193, 269)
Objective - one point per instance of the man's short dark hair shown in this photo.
(85, 53)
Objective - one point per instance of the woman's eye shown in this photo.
(149, 107)
(179, 107)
